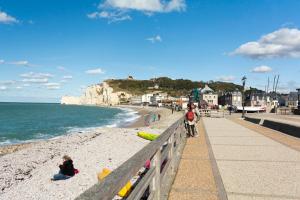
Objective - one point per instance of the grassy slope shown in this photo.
(172, 87)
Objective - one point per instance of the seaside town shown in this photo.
(150, 100)
(252, 100)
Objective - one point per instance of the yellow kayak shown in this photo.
(147, 136)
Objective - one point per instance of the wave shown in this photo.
(126, 117)
(5, 141)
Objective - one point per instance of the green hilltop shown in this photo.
(174, 88)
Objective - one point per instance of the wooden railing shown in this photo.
(164, 154)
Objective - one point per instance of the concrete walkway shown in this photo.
(253, 166)
(195, 179)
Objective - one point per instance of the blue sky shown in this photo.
(52, 48)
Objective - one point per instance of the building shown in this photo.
(157, 98)
(146, 98)
(208, 95)
(293, 100)
(256, 99)
(283, 100)
(231, 98)
(156, 87)
(130, 78)
(124, 98)
(136, 100)
(182, 102)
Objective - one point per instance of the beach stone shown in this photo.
(28, 171)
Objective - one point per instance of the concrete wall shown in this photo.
(289, 129)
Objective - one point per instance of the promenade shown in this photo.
(239, 161)
(195, 176)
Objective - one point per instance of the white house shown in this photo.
(158, 98)
(136, 100)
(146, 98)
(208, 95)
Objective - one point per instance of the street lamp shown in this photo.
(243, 95)
(298, 98)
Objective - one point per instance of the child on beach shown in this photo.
(67, 169)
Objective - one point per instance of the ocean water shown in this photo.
(24, 122)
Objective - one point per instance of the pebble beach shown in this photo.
(26, 171)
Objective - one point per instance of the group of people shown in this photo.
(192, 116)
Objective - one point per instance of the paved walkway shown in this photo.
(238, 161)
(195, 179)
(253, 166)
(285, 139)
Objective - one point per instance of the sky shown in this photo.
(59, 47)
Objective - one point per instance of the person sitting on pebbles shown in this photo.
(67, 169)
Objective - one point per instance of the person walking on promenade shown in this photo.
(197, 113)
(172, 108)
(191, 119)
(230, 109)
(67, 169)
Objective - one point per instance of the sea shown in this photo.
(28, 122)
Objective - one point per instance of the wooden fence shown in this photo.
(164, 154)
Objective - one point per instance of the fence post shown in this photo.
(156, 180)
(171, 151)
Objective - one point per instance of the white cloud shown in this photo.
(35, 80)
(36, 75)
(61, 68)
(117, 10)
(226, 78)
(93, 15)
(26, 85)
(175, 5)
(284, 42)
(7, 19)
(21, 63)
(52, 86)
(95, 71)
(145, 5)
(2, 87)
(19, 88)
(110, 16)
(154, 39)
(262, 69)
(289, 86)
(10, 82)
(67, 77)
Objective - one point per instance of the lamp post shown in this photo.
(298, 98)
(243, 95)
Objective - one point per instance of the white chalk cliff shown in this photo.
(100, 94)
